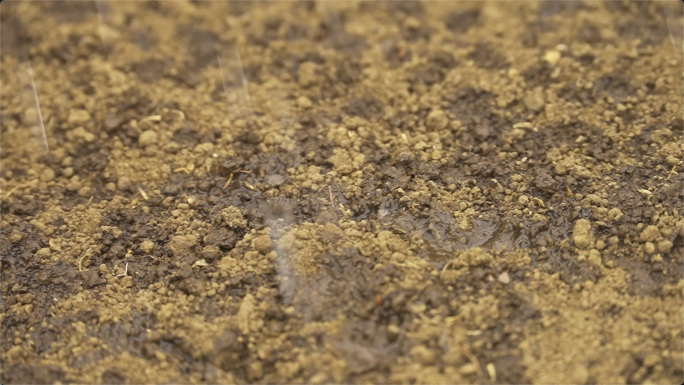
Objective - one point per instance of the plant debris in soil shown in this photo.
(346, 192)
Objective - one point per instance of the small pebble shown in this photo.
(650, 233)
(304, 102)
(436, 155)
(15, 236)
(649, 248)
(552, 56)
(148, 138)
(146, 246)
(68, 172)
(307, 73)
(43, 253)
(467, 369)
(535, 100)
(393, 331)
(600, 244)
(615, 214)
(30, 116)
(504, 278)
(47, 175)
(437, 120)
(182, 244)
(423, 355)
(664, 246)
(263, 244)
(77, 116)
(581, 234)
(672, 160)
(211, 252)
(84, 191)
(123, 184)
(594, 258)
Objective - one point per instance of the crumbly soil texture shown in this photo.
(331, 192)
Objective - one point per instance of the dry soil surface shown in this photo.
(400, 192)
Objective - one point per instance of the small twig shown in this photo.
(144, 194)
(491, 369)
(230, 177)
(332, 205)
(10, 192)
(444, 268)
(673, 172)
(474, 361)
(80, 261)
(125, 271)
(249, 186)
(669, 175)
